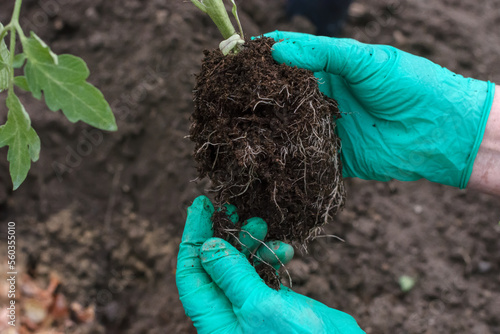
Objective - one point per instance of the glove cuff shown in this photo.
(479, 136)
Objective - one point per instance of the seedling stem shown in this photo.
(12, 27)
(217, 12)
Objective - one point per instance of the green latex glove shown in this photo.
(222, 293)
(404, 117)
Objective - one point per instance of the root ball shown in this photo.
(265, 136)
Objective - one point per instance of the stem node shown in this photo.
(217, 12)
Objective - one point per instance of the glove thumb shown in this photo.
(231, 271)
(348, 58)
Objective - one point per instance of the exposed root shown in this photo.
(265, 136)
(276, 256)
(224, 228)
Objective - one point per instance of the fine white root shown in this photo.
(259, 258)
(271, 150)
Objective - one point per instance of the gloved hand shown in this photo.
(403, 116)
(222, 293)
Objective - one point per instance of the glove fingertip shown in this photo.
(276, 35)
(255, 225)
(252, 234)
(231, 213)
(299, 53)
(280, 51)
(276, 253)
(198, 223)
(202, 203)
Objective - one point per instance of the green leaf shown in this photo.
(19, 60)
(23, 142)
(200, 5)
(20, 81)
(4, 69)
(64, 85)
(35, 48)
(235, 14)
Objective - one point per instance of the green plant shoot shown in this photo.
(217, 12)
(62, 80)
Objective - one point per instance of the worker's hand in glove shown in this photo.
(403, 116)
(222, 293)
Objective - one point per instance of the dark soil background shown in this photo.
(106, 211)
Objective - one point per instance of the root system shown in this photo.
(265, 136)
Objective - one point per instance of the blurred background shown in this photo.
(100, 216)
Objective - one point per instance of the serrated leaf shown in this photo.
(19, 60)
(20, 81)
(5, 71)
(23, 142)
(65, 87)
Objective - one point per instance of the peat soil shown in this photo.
(265, 137)
(106, 211)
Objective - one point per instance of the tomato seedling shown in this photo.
(63, 81)
(265, 136)
(217, 12)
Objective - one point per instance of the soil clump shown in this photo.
(265, 136)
